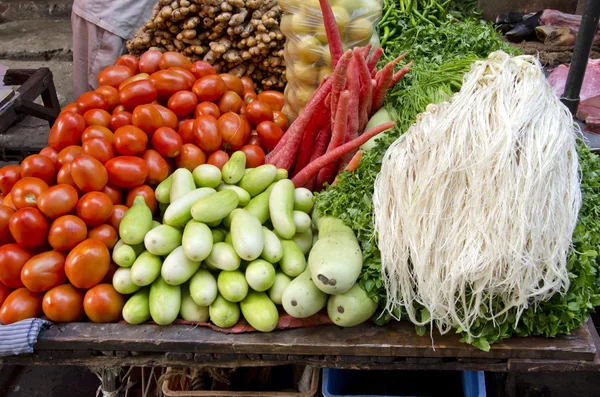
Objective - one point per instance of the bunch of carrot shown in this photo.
(326, 135)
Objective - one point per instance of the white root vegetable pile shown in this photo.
(476, 204)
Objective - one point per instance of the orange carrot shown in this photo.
(340, 127)
(351, 166)
(374, 59)
(401, 73)
(332, 32)
(339, 82)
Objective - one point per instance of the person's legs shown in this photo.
(80, 54)
(110, 47)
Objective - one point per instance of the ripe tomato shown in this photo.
(4, 292)
(182, 103)
(233, 131)
(91, 100)
(249, 97)
(57, 201)
(111, 94)
(158, 169)
(186, 131)
(68, 154)
(26, 192)
(66, 232)
(130, 61)
(130, 140)
(126, 171)
(9, 175)
(255, 156)
(270, 134)
(202, 68)
(7, 201)
(116, 215)
(12, 259)
(66, 130)
(149, 61)
(29, 227)
(145, 191)
(137, 93)
(233, 83)
(169, 118)
(247, 83)
(120, 119)
(105, 233)
(71, 107)
(218, 159)
(274, 99)
(87, 263)
(20, 305)
(94, 208)
(114, 75)
(49, 152)
(118, 109)
(281, 120)
(258, 111)
(112, 269)
(206, 134)
(5, 214)
(133, 79)
(64, 176)
(190, 157)
(254, 140)
(99, 148)
(147, 118)
(88, 173)
(115, 194)
(38, 166)
(230, 102)
(97, 117)
(209, 88)
(96, 131)
(167, 142)
(243, 111)
(44, 271)
(103, 304)
(191, 79)
(207, 109)
(168, 82)
(63, 304)
(174, 59)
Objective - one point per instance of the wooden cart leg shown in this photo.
(510, 386)
(50, 98)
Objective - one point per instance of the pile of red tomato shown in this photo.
(60, 210)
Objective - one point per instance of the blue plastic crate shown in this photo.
(351, 383)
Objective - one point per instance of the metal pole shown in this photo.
(581, 53)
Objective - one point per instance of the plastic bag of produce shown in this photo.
(306, 50)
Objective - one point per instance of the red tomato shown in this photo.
(64, 176)
(57, 201)
(114, 75)
(99, 148)
(20, 305)
(116, 216)
(96, 131)
(7, 201)
(158, 169)
(186, 131)
(258, 111)
(88, 173)
(38, 166)
(5, 214)
(126, 171)
(247, 83)
(4, 292)
(44, 271)
(169, 118)
(209, 88)
(66, 232)
(206, 134)
(182, 103)
(120, 119)
(29, 227)
(233, 131)
(147, 118)
(218, 159)
(190, 157)
(168, 82)
(26, 192)
(130, 61)
(115, 194)
(281, 120)
(202, 68)
(94, 208)
(63, 304)
(233, 83)
(105, 233)
(71, 107)
(9, 175)
(207, 109)
(12, 259)
(137, 93)
(230, 102)
(103, 304)
(68, 154)
(118, 109)
(137, 77)
(243, 111)
(270, 134)
(111, 94)
(149, 61)
(174, 59)
(97, 117)
(167, 142)
(255, 156)
(254, 140)
(145, 191)
(91, 100)
(274, 99)
(249, 97)
(191, 79)
(112, 269)
(49, 152)
(66, 130)
(130, 141)
(87, 264)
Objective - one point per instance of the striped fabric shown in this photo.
(19, 338)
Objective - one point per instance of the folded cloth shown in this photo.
(19, 338)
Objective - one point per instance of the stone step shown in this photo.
(13, 10)
(36, 40)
